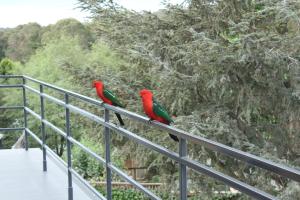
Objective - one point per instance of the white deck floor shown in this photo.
(22, 178)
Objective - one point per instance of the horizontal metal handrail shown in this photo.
(12, 129)
(285, 171)
(212, 145)
(12, 86)
(11, 76)
(215, 146)
(74, 94)
(11, 107)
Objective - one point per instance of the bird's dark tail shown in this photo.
(120, 119)
(174, 137)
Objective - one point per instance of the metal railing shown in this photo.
(181, 157)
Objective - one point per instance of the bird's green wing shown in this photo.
(112, 97)
(160, 111)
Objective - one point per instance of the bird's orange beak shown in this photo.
(141, 94)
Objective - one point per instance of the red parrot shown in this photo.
(108, 97)
(155, 111)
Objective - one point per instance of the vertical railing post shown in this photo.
(25, 114)
(107, 156)
(183, 170)
(43, 128)
(69, 154)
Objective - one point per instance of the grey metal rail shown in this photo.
(212, 145)
(12, 86)
(12, 129)
(11, 107)
(181, 157)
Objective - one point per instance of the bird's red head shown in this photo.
(145, 92)
(97, 83)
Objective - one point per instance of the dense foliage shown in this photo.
(227, 70)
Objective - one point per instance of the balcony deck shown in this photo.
(22, 178)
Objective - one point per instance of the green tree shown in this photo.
(226, 67)
(6, 66)
(22, 41)
(3, 43)
(68, 28)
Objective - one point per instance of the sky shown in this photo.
(44, 12)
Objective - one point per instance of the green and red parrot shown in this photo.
(155, 111)
(108, 97)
